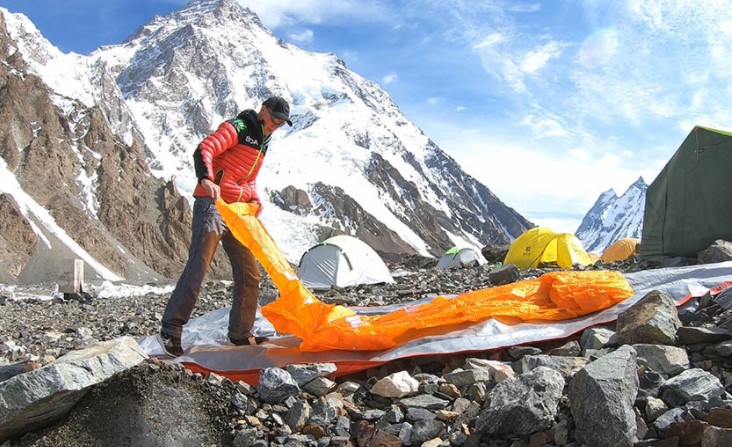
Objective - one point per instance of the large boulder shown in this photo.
(39, 397)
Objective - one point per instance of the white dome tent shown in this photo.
(459, 258)
(342, 261)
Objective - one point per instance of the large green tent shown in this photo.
(688, 204)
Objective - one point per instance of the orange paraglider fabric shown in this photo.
(321, 327)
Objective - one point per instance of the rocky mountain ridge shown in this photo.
(614, 217)
(49, 153)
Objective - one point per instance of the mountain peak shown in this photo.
(228, 17)
(640, 183)
(612, 217)
(222, 8)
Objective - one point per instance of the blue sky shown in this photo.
(548, 103)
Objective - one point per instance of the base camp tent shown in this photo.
(620, 250)
(342, 261)
(459, 258)
(541, 246)
(687, 205)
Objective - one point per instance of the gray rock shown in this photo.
(523, 405)
(566, 366)
(303, 374)
(395, 415)
(669, 360)
(724, 299)
(495, 253)
(569, 349)
(505, 275)
(323, 412)
(595, 338)
(276, 385)
(425, 401)
(653, 319)
(424, 430)
(719, 251)
(691, 385)
(298, 415)
(245, 438)
(419, 414)
(654, 408)
(467, 377)
(664, 421)
(319, 386)
(12, 370)
(35, 399)
(606, 387)
(692, 335)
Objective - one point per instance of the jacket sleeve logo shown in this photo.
(239, 125)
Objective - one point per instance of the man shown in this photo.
(227, 163)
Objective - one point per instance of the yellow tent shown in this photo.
(541, 246)
(620, 250)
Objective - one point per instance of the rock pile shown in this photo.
(659, 376)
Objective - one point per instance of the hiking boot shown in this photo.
(249, 341)
(170, 344)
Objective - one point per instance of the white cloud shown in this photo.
(534, 60)
(304, 37)
(544, 127)
(498, 62)
(390, 78)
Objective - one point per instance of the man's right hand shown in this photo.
(212, 189)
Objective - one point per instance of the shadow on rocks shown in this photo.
(150, 405)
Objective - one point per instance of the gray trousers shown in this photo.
(208, 230)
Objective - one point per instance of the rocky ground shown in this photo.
(34, 332)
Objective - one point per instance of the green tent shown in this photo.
(459, 258)
(687, 205)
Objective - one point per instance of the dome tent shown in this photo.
(341, 261)
(459, 258)
(541, 246)
(620, 250)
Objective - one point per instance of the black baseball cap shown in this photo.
(279, 108)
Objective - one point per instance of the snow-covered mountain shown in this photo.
(612, 217)
(98, 149)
